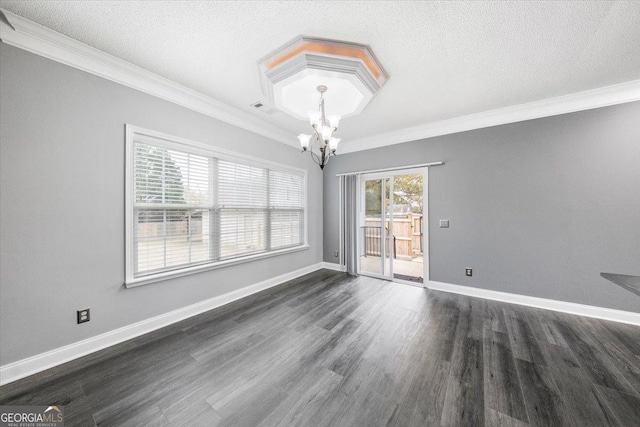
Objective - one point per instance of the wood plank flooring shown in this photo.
(329, 349)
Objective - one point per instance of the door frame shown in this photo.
(384, 243)
(425, 220)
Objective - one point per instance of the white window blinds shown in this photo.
(173, 204)
(243, 202)
(191, 208)
(286, 195)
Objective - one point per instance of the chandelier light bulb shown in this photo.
(304, 141)
(315, 118)
(334, 120)
(326, 133)
(333, 144)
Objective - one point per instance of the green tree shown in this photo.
(158, 179)
(407, 189)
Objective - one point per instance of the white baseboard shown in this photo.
(334, 266)
(40, 362)
(547, 304)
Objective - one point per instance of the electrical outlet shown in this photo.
(335, 253)
(468, 271)
(444, 223)
(83, 316)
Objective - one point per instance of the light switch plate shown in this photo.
(444, 223)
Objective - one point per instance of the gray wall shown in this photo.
(537, 208)
(62, 205)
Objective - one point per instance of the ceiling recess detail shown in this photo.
(291, 74)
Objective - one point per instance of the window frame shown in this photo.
(136, 133)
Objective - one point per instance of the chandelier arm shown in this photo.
(324, 158)
(327, 159)
(315, 157)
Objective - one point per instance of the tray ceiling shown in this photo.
(445, 59)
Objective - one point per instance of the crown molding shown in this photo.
(32, 37)
(595, 98)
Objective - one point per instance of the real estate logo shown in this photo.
(32, 416)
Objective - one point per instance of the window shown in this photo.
(190, 207)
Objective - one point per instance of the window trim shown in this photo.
(174, 142)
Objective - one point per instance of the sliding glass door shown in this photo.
(374, 230)
(392, 240)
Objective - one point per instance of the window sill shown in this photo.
(145, 280)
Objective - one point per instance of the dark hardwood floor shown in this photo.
(331, 349)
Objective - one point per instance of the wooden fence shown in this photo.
(407, 235)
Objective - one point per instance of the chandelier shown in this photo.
(322, 137)
(292, 75)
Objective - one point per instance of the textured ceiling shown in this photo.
(445, 59)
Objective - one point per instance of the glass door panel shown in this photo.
(371, 231)
(388, 228)
(408, 231)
